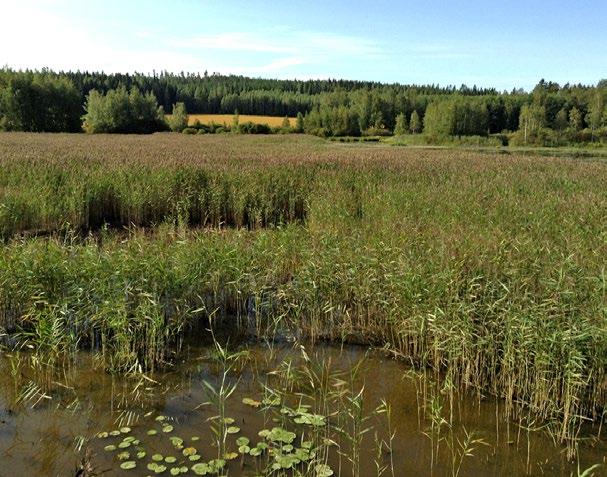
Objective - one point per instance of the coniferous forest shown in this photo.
(549, 115)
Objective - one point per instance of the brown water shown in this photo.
(40, 426)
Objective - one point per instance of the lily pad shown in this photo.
(110, 448)
(170, 459)
(124, 444)
(251, 402)
(195, 438)
(152, 432)
(160, 418)
(141, 454)
(157, 457)
(103, 435)
(195, 457)
(280, 435)
(201, 469)
(167, 428)
(128, 465)
(114, 433)
(176, 441)
(242, 441)
(233, 430)
(125, 430)
(323, 470)
(124, 456)
(230, 455)
(188, 451)
(244, 449)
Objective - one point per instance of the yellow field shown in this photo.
(243, 118)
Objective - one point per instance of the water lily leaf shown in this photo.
(160, 418)
(124, 445)
(201, 469)
(141, 454)
(128, 465)
(233, 430)
(264, 433)
(110, 448)
(188, 451)
(262, 445)
(244, 449)
(230, 455)
(228, 420)
(288, 448)
(129, 439)
(217, 464)
(176, 441)
(255, 451)
(280, 435)
(251, 402)
(285, 461)
(170, 459)
(125, 430)
(323, 470)
(307, 444)
(114, 433)
(103, 435)
(157, 457)
(167, 428)
(195, 457)
(242, 441)
(152, 432)
(124, 456)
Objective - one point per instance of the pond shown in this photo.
(246, 409)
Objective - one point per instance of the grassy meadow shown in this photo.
(486, 269)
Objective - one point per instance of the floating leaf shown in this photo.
(233, 430)
(167, 428)
(251, 402)
(242, 441)
(244, 449)
(160, 418)
(103, 435)
(124, 444)
(228, 420)
(152, 432)
(170, 459)
(217, 464)
(287, 448)
(255, 451)
(230, 455)
(141, 454)
(195, 438)
(188, 451)
(323, 470)
(124, 456)
(114, 433)
(129, 439)
(176, 441)
(278, 434)
(128, 465)
(157, 457)
(110, 448)
(201, 469)
(195, 457)
(285, 461)
(125, 430)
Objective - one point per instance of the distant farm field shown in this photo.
(274, 121)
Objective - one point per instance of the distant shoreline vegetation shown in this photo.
(550, 115)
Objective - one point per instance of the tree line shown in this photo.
(550, 114)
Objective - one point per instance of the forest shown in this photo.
(549, 115)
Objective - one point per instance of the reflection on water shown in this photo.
(44, 412)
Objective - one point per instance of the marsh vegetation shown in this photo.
(484, 272)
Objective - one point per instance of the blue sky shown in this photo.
(501, 44)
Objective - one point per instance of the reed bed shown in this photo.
(488, 269)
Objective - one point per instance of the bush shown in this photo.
(189, 131)
(122, 112)
(178, 121)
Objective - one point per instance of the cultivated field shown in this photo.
(272, 121)
(489, 269)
